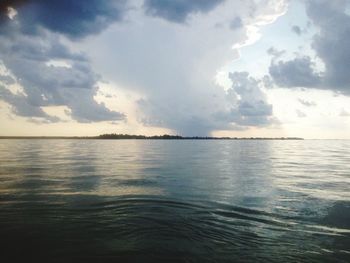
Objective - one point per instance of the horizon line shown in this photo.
(114, 136)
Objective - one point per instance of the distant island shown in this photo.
(114, 136)
(178, 137)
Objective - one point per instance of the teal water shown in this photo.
(174, 201)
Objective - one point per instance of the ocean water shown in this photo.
(174, 201)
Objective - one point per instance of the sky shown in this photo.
(253, 68)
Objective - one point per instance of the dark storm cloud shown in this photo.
(178, 10)
(75, 19)
(331, 44)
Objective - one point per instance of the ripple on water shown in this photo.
(168, 201)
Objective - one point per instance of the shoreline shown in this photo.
(142, 137)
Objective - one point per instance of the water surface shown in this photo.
(174, 201)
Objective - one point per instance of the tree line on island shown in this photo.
(178, 137)
(115, 136)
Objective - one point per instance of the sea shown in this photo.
(67, 200)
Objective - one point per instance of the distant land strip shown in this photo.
(114, 136)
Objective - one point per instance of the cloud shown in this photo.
(332, 42)
(301, 114)
(47, 85)
(84, 108)
(49, 73)
(296, 30)
(236, 23)
(171, 67)
(307, 103)
(249, 105)
(178, 10)
(74, 19)
(21, 106)
(7, 79)
(344, 113)
(275, 53)
(331, 45)
(246, 106)
(6, 4)
(253, 108)
(295, 73)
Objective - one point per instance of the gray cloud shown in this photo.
(344, 113)
(247, 106)
(295, 73)
(275, 53)
(300, 114)
(75, 19)
(307, 103)
(7, 79)
(181, 116)
(236, 23)
(73, 86)
(268, 82)
(171, 67)
(84, 108)
(178, 10)
(5, 4)
(27, 52)
(331, 45)
(296, 30)
(333, 41)
(249, 103)
(21, 106)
